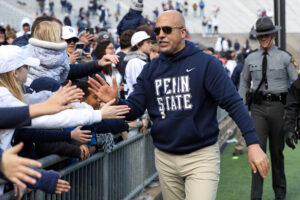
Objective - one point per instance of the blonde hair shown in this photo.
(9, 81)
(48, 31)
(155, 48)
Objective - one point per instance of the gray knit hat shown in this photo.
(137, 5)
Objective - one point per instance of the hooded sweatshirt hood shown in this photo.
(25, 20)
(188, 50)
(167, 61)
(53, 57)
(136, 54)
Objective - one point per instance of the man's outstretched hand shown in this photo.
(103, 91)
(258, 160)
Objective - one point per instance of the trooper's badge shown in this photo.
(293, 61)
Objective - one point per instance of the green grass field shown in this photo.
(235, 179)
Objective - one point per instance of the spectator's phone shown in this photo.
(90, 31)
(79, 47)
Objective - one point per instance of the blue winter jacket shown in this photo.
(187, 87)
(22, 40)
(131, 21)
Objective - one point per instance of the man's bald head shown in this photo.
(174, 15)
(170, 32)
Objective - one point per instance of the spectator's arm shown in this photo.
(83, 69)
(14, 117)
(40, 135)
(59, 148)
(111, 126)
(47, 182)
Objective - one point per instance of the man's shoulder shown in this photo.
(285, 53)
(135, 61)
(134, 64)
(252, 54)
(154, 62)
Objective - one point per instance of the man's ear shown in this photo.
(184, 32)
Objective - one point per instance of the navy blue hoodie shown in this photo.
(190, 85)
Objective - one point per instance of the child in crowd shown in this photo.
(102, 138)
(46, 45)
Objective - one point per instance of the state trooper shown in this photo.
(264, 85)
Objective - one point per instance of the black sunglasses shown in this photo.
(165, 29)
(72, 40)
(263, 36)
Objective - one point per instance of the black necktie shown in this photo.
(264, 69)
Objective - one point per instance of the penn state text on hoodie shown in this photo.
(188, 87)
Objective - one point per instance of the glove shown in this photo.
(291, 139)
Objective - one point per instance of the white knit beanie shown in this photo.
(137, 5)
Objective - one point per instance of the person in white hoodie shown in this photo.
(25, 27)
(137, 58)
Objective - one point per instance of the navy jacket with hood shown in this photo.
(131, 21)
(189, 86)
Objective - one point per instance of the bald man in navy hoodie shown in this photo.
(181, 90)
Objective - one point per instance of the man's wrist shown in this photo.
(98, 63)
(251, 146)
(116, 101)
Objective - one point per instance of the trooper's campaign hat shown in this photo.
(264, 26)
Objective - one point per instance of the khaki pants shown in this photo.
(190, 176)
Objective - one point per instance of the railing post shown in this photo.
(39, 195)
(105, 177)
(143, 159)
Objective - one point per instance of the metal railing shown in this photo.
(221, 114)
(120, 174)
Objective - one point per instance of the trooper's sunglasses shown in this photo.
(72, 40)
(166, 29)
(264, 36)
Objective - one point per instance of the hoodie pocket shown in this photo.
(177, 133)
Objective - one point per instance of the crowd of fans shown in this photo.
(35, 64)
(208, 19)
(47, 65)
